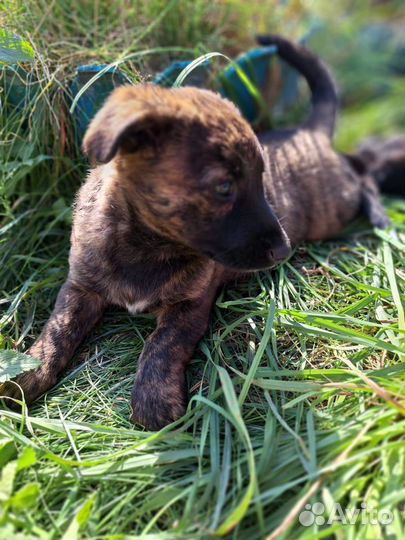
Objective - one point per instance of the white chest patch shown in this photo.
(137, 307)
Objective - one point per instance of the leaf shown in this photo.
(138, 461)
(7, 480)
(27, 459)
(80, 519)
(26, 497)
(239, 510)
(14, 49)
(7, 451)
(195, 64)
(250, 87)
(390, 270)
(8, 530)
(63, 211)
(259, 354)
(12, 363)
(14, 171)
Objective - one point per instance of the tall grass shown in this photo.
(297, 388)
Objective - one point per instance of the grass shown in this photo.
(297, 388)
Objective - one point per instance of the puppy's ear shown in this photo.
(132, 117)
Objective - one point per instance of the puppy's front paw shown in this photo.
(155, 405)
(29, 385)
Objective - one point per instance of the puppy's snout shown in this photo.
(280, 251)
(279, 248)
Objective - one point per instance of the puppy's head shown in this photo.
(192, 167)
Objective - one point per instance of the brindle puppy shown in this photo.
(184, 198)
(384, 160)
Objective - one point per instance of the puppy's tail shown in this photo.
(324, 95)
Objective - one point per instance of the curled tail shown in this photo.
(323, 90)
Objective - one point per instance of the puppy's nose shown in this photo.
(279, 252)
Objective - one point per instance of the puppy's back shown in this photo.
(314, 191)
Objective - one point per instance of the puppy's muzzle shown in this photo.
(280, 252)
(278, 249)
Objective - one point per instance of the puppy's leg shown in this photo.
(159, 395)
(76, 311)
(371, 204)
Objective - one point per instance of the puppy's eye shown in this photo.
(224, 190)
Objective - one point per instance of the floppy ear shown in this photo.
(132, 117)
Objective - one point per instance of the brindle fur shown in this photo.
(384, 160)
(150, 232)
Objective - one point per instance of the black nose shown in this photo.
(276, 244)
(280, 251)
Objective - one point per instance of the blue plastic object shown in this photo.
(95, 95)
(256, 66)
(19, 87)
(170, 74)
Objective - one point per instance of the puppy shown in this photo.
(384, 159)
(183, 198)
